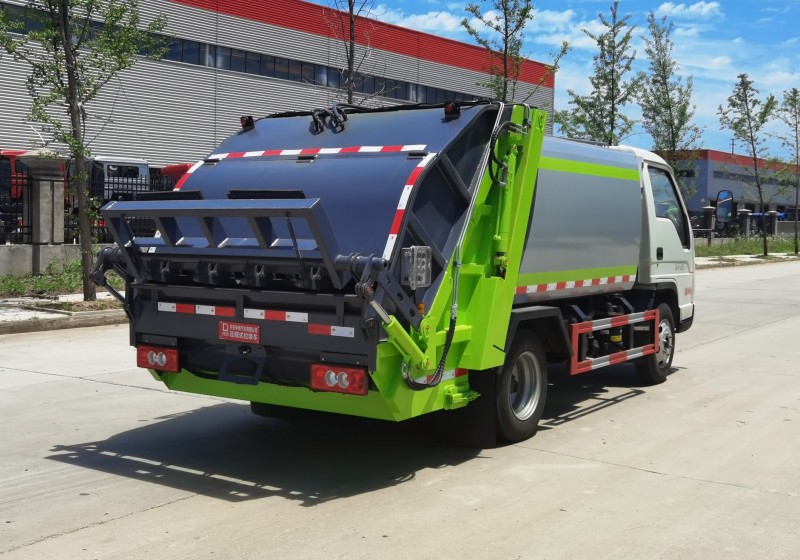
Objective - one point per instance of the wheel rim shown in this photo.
(524, 387)
(666, 344)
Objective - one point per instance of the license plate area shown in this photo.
(239, 332)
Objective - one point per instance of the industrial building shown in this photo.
(707, 172)
(253, 57)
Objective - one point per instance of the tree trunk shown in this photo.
(78, 154)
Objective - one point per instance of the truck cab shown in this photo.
(117, 178)
(667, 250)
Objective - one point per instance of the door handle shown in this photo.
(660, 253)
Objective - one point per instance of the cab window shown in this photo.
(667, 202)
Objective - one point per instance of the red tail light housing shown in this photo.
(157, 357)
(339, 379)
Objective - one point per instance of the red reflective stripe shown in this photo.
(398, 219)
(181, 181)
(274, 315)
(541, 288)
(392, 148)
(595, 281)
(349, 149)
(235, 155)
(522, 290)
(412, 179)
(272, 152)
(319, 329)
(460, 372)
(618, 358)
(309, 151)
(579, 283)
(561, 286)
(225, 311)
(619, 321)
(184, 308)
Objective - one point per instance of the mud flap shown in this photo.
(474, 425)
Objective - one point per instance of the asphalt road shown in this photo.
(99, 462)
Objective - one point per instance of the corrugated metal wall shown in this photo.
(169, 112)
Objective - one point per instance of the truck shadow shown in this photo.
(225, 452)
(572, 397)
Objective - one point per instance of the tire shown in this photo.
(521, 389)
(653, 369)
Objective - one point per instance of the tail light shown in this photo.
(339, 379)
(157, 357)
(20, 223)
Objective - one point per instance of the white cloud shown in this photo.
(702, 10)
(687, 32)
(430, 22)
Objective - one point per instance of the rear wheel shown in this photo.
(653, 369)
(521, 389)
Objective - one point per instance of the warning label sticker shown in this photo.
(239, 332)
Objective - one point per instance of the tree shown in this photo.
(74, 49)
(503, 43)
(746, 116)
(598, 116)
(789, 113)
(665, 99)
(342, 20)
(507, 19)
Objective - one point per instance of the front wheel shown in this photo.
(653, 369)
(521, 389)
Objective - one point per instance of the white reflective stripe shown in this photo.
(370, 148)
(217, 156)
(387, 251)
(290, 152)
(413, 147)
(205, 309)
(601, 323)
(426, 160)
(404, 197)
(164, 306)
(343, 331)
(253, 313)
(635, 353)
(297, 317)
(195, 166)
(254, 154)
(329, 150)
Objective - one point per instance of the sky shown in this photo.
(715, 41)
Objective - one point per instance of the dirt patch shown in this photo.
(75, 306)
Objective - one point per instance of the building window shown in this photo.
(175, 50)
(308, 74)
(267, 65)
(223, 58)
(295, 70)
(281, 68)
(253, 65)
(191, 52)
(238, 63)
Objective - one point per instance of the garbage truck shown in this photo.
(394, 262)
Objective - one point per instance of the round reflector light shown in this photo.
(330, 378)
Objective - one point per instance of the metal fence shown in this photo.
(16, 216)
(101, 192)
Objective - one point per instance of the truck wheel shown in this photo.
(653, 369)
(521, 389)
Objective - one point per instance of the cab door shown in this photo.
(671, 240)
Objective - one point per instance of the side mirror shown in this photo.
(724, 207)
